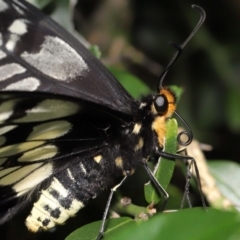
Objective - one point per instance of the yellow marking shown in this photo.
(50, 130)
(2, 140)
(5, 115)
(17, 174)
(98, 158)
(6, 108)
(159, 126)
(40, 153)
(2, 160)
(137, 128)
(36, 176)
(18, 148)
(49, 109)
(6, 129)
(139, 145)
(119, 162)
(6, 171)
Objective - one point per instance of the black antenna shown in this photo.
(188, 133)
(180, 47)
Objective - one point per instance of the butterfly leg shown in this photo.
(159, 187)
(101, 231)
(189, 175)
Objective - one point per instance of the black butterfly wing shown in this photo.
(56, 100)
(36, 54)
(42, 137)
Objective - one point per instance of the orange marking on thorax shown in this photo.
(159, 126)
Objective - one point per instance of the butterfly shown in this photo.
(68, 128)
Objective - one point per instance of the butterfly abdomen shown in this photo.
(55, 205)
(67, 193)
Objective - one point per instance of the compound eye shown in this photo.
(161, 104)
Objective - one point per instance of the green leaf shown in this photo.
(178, 91)
(232, 109)
(130, 82)
(187, 224)
(227, 178)
(40, 3)
(94, 49)
(90, 231)
(165, 167)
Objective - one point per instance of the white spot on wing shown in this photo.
(27, 84)
(18, 27)
(3, 6)
(13, 39)
(57, 59)
(9, 70)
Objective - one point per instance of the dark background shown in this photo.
(208, 69)
(134, 35)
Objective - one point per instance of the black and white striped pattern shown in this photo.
(36, 54)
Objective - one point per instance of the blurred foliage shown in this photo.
(133, 37)
(208, 69)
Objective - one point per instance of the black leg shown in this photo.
(193, 162)
(101, 231)
(159, 187)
